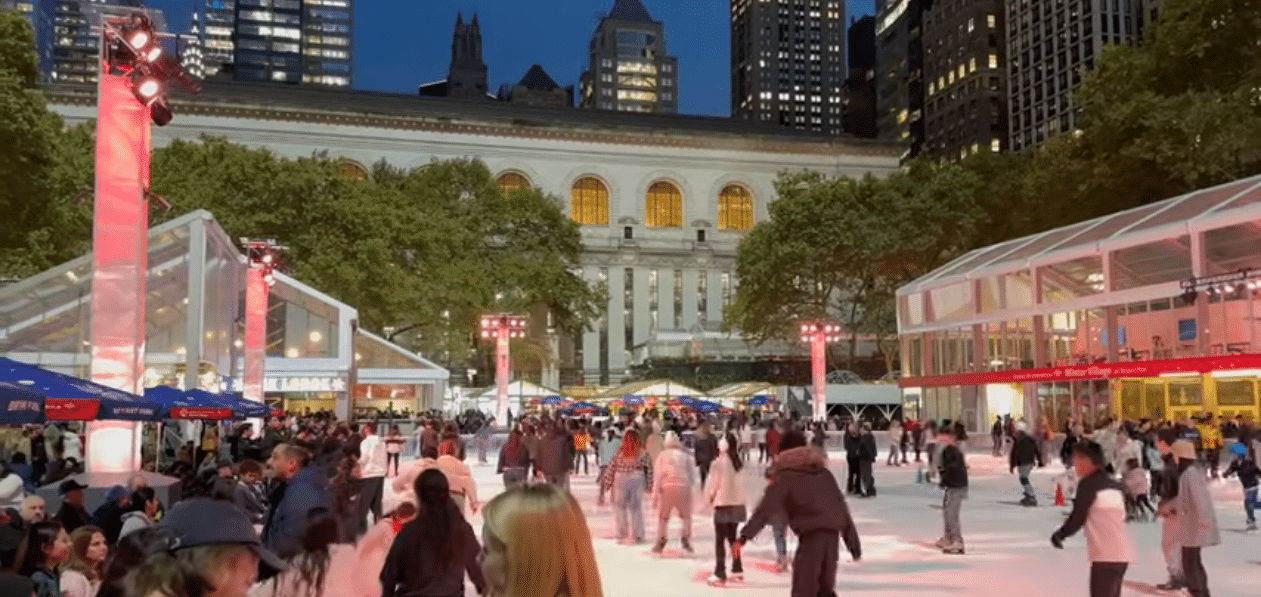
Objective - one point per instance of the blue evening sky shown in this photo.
(400, 44)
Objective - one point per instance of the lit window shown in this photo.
(993, 60)
(511, 182)
(665, 205)
(735, 208)
(589, 201)
(993, 21)
(971, 25)
(996, 145)
(972, 65)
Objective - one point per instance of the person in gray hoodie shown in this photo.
(145, 505)
(1196, 526)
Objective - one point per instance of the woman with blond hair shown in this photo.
(625, 476)
(81, 574)
(537, 543)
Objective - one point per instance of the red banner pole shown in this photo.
(256, 294)
(503, 372)
(818, 371)
(120, 243)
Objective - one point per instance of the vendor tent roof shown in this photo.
(742, 390)
(654, 387)
(519, 389)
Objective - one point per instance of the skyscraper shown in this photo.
(68, 48)
(1052, 45)
(291, 41)
(630, 69)
(900, 72)
(965, 78)
(859, 113)
(788, 63)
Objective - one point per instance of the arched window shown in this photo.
(665, 206)
(589, 202)
(351, 171)
(735, 208)
(511, 182)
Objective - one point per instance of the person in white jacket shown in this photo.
(12, 490)
(71, 446)
(372, 473)
(724, 491)
(895, 444)
(673, 473)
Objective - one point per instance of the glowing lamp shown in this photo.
(153, 54)
(139, 39)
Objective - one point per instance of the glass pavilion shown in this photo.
(317, 357)
(1096, 318)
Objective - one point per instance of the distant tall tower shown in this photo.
(467, 76)
(286, 41)
(788, 63)
(630, 69)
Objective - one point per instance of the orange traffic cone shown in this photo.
(1059, 495)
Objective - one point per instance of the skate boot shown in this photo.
(1251, 528)
(1029, 501)
(736, 577)
(1174, 584)
(714, 581)
(781, 564)
(953, 548)
(660, 546)
(942, 543)
(687, 545)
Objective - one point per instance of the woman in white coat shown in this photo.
(12, 490)
(724, 491)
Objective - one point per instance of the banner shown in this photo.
(1189, 366)
(71, 409)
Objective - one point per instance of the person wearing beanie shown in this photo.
(806, 492)
(1196, 526)
(1024, 454)
(724, 491)
(1099, 507)
(673, 477)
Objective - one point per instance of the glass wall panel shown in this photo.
(1232, 248)
(953, 302)
(1018, 288)
(989, 295)
(1168, 260)
(915, 308)
(1072, 279)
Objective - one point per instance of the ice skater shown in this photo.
(724, 491)
(1100, 508)
(1024, 454)
(673, 478)
(1246, 469)
(954, 483)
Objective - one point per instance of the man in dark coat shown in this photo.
(853, 480)
(302, 490)
(1024, 454)
(554, 459)
(807, 493)
(867, 453)
(705, 448)
(109, 517)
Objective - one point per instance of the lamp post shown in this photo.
(502, 328)
(818, 334)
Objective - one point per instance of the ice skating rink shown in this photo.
(1009, 553)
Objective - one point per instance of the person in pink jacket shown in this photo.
(459, 477)
(375, 546)
(724, 490)
(673, 476)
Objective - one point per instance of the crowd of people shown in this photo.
(301, 508)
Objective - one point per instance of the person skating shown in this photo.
(1169, 547)
(1246, 469)
(1099, 507)
(853, 470)
(867, 454)
(807, 493)
(1196, 526)
(954, 483)
(1024, 454)
(705, 448)
(673, 478)
(895, 444)
(725, 493)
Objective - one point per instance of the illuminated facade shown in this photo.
(1150, 312)
(290, 41)
(900, 72)
(965, 74)
(629, 68)
(663, 200)
(788, 63)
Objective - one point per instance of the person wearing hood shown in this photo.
(725, 493)
(807, 493)
(1196, 526)
(1024, 454)
(673, 478)
(144, 506)
(109, 516)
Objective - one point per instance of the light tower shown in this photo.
(818, 334)
(502, 328)
(130, 93)
(263, 256)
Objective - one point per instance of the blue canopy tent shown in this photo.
(707, 407)
(633, 400)
(689, 402)
(177, 404)
(248, 409)
(584, 408)
(69, 398)
(20, 405)
(759, 400)
(552, 400)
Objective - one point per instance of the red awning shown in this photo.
(71, 409)
(1190, 365)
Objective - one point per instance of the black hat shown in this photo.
(203, 521)
(70, 485)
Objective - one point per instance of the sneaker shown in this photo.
(687, 545)
(781, 564)
(1174, 584)
(736, 577)
(953, 549)
(1251, 528)
(660, 546)
(714, 581)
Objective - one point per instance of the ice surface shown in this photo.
(1008, 546)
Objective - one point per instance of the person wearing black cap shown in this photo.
(72, 514)
(12, 583)
(202, 548)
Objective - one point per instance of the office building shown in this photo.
(859, 111)
(900, 72)
(289, 41)
(965, 75)
(788, 63)
(1052, 45)
(69, 50)
(630, 69)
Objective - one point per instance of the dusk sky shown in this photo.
(400, 44)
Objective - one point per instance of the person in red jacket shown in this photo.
(773, 437)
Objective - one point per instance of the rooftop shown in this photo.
(309, 103)
(630, 10)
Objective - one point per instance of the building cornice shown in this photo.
(449, 116)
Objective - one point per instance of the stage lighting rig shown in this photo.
(133, 48)
(264, 254)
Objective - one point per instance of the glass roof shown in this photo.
(1125, 229)
(375, 352)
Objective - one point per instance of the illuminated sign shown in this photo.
(891, 17)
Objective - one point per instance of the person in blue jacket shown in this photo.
(301, 490)
(1249, 476)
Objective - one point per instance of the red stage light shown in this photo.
(148, 88)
